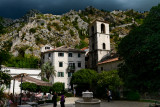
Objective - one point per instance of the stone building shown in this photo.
(100, 58)
(65, 60)
(99, 42)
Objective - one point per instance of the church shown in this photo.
(100, 56)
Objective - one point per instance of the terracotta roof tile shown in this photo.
(109, 60)
(84, 48)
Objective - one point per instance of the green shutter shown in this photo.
(58, 74)
(62, 74)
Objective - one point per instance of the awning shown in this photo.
(27, 78)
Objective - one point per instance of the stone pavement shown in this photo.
(70, 102)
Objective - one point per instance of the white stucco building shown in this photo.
(66, 61)
(15, 71)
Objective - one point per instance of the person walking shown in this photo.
(54, 99)
(62, 101)
(109, 95)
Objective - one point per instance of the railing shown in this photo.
(71, 68)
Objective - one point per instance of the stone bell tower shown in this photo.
(99, 42)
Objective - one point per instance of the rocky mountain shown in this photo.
(35, 29)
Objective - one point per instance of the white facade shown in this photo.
(64, 59)
(108, 65)
(45, 48)
(15, 71)
(99, 42)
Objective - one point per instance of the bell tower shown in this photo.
(99, 42)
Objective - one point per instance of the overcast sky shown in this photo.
(17, 8)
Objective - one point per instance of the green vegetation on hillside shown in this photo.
(2, 28)
(140, 51)
(28, 61)
(57, 29)
(81, 45)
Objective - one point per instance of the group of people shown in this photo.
(62, 100)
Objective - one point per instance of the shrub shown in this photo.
(39, 40)
(28, 61)
(71, 32)
(58, 44)
(44, 89)
(131, 95)
(56, 26)
(32, 30)
(81, 45)
(64, 28)
(29, 86)
(68, 94)
(58, 87)
(49, 27)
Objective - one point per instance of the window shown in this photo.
(60, 74)
(71, 66)
(69, 54)
(86, 58)
(60, 64)
(79, 55)
(79, 64)
(47, 47)
(102, 28)
(92, 29)
(101, 68)
(69, 74)
(104, 46)
(60, 54)
(49, 54)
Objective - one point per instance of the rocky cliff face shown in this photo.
(35, 29)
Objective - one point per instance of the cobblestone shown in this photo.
(70, 102)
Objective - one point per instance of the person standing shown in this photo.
(54, 99)
(109, 95)
(62, 101)
(74, 91)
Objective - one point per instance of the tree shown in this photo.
(4, 56)
(141, 53)
(108, 80)
(29, 86)
(58, 87)
(84, 78)
(47, 71)
(4, 77)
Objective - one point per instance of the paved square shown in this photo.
(70, 102)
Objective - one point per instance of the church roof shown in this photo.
(109, 60)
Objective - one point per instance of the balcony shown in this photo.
(71, 68)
